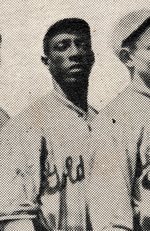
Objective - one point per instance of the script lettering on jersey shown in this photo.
(61, 181)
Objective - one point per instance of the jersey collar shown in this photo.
(60, 95)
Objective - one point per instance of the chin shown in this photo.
(72, 80)
(77, 76)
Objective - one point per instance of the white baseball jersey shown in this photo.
(121, 148)
(45, 162)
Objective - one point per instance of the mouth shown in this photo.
(76, 67)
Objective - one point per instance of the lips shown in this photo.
(76, 66)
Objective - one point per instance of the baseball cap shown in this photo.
(66, 25)
(127, 27)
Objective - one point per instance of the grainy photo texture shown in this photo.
(74, 116)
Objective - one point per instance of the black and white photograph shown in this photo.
(74, 115)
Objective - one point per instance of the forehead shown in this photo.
(68, 36)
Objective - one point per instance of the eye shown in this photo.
(61, 46)
(82, 44)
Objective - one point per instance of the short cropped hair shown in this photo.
(67, 25)
(131, 40)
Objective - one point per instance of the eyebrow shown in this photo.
(62, 40)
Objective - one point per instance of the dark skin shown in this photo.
(70, 61)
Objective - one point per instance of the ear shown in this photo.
(44, 60)
(126, 57)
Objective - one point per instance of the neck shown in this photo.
(76, 93)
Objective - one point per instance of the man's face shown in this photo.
(70, 57)
(141, 57)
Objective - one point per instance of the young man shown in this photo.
(122, 136)
(45, 150)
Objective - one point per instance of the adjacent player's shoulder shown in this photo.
(115, 114)
(117, 107)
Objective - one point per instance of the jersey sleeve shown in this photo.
(19, 181)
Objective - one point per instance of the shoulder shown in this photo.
(21, 136)
(123, 118)
(36, 113)
(114, 118)
(4, 117)
(120, 109)
(27, 119)
(31, 121)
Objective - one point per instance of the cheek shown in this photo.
(57, 59)
(144, 56)
(142, 60)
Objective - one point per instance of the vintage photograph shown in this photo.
(74, 115)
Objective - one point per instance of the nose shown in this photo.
(75, 53)
(74, 50)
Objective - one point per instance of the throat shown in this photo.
(77, 94)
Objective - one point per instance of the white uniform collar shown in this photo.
(58, 92)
